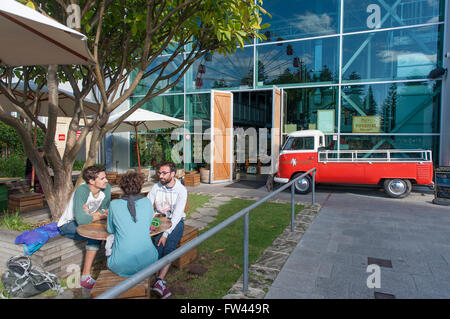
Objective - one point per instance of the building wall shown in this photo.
(356, 69)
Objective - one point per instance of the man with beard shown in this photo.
(169, 199)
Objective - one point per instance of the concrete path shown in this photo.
(409, 238)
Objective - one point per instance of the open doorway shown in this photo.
(252, 111)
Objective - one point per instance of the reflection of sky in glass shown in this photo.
(145, 85)
(298, 18)
(359, 14)
(298, 62)
(217, 71)
(397, 54)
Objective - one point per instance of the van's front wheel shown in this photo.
(303, 185)
(397, 188)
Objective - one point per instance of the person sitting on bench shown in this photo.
(89, 203)
(169, 197)
(129, 220)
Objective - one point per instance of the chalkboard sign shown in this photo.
(442, 185)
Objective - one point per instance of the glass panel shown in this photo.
(390, 55)
(198, 107)
(299, 143)
(311, 108)
(252, 109)
(217, 71)
(362, 15)
(299, 62)
(411, 107)
(146, 84)
(171, 105)
(156, 148)
(293, 19)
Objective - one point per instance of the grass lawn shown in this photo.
(195, 201)
(222, 254)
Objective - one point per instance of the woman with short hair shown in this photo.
(129, 220)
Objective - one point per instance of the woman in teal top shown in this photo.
(129, 220)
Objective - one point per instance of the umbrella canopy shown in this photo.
(143, 120)
(30, 38)
(66, 101)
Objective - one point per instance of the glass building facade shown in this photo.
(356, 69)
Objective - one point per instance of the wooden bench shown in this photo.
(189, 234)
(107, 280)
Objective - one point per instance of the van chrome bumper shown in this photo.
(281, 180)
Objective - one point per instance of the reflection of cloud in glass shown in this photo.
(433, 20)
(313, 23)
(388, 56)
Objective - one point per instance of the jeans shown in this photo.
(172, 240)
(69, 230)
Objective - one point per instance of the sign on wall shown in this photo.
(366, 124)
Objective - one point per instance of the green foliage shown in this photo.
(13, 221)
(78, 164)
(13, 165)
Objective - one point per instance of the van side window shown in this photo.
(299, 143)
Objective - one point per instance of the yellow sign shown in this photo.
(366, 124)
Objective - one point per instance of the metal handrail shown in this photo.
(150, 270)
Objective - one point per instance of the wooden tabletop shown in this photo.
(97, 230)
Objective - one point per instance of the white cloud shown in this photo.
(313, 23)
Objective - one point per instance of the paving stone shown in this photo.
(195, 215)
(272, 259)
(282, 245)
(207, 219)
(195, 223)
(208, 211)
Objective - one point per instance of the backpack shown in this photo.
(23, 281)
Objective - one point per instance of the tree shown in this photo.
(124, 36)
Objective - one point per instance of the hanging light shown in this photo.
(198, 82)
(201, 68)
(296, 62)
(289, 50)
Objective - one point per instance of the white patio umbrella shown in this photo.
(66, 101)
(30, 38)
(143, 120)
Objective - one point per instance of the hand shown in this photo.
(104, 213)
(162, 241)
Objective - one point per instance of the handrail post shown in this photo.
(292, 206)
(245, 286)
(314, 187)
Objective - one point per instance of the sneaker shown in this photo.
(88, 283)
(160, 288)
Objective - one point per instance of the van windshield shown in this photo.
(299, 143)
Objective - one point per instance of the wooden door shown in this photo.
(276, 128)
(222, 136)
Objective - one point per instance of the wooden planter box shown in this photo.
(25, 202)
(192, 179)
